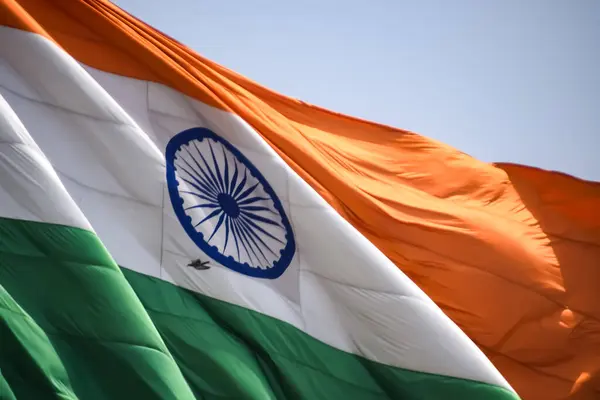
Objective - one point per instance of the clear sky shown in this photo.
(502, 80)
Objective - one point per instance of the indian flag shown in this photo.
(172, 230)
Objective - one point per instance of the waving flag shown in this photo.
(169, 229)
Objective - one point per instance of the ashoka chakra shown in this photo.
(226, 206)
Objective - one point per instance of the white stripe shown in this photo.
(29, 187)
(104, 135)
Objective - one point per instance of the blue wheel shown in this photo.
(226, 206)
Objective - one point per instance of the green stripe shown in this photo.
(205, 335)
(35, 369)
(222, 350)
(64, 280)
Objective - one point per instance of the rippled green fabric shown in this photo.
(74, 325)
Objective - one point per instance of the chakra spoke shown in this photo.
(247, 192)
(200, 189)
(205, 205)
(226, 173)
(249, 233)
(219, 223)
(244, 241)
(197, 176)
(260, 218)
(234, 179)
(197, 195)
(250, 244)
(206, 176)
(257, 208)
(240, 186)
(216, 164)
(255, 226)
(209, 216)
(235, 237)
(227, 218)
(210, 171)
(251, 200)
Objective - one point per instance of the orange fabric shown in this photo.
(510, 253)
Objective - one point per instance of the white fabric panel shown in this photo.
(105, 135)
(397, 324)
(30, 189)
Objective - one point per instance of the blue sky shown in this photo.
(504, 80)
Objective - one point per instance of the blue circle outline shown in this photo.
(287, 253)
